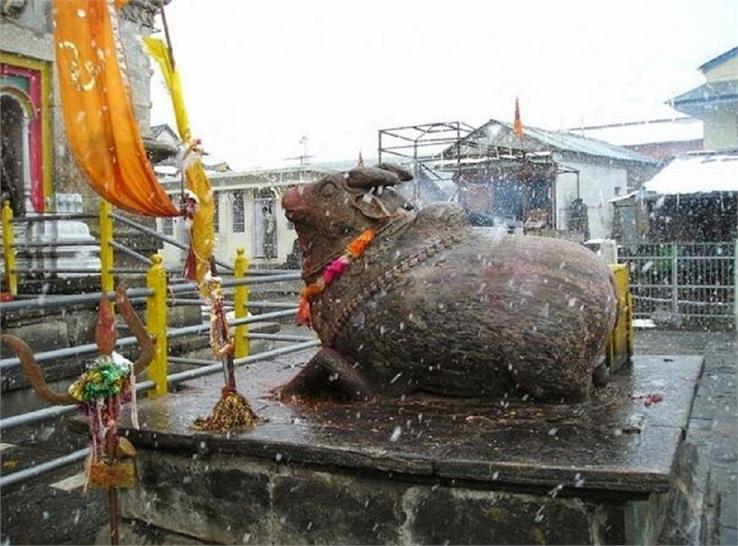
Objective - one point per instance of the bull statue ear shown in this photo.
(370, 206)
(384, 174)
(403, 174)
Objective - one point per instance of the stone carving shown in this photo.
(433, 305)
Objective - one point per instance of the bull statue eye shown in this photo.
(328, 189)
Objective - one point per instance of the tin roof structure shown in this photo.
(499, 134)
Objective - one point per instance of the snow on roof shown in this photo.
(646, 132)
(499, 133)
(697, 173)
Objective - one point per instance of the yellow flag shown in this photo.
(202, 233)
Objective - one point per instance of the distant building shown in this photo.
(694, 197)
(660, 139)
(715, 102)
(545, 180)
(248, 215)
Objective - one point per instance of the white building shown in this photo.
(248, 215)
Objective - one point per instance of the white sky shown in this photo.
(258, 76)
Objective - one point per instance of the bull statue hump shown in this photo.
(432, 305)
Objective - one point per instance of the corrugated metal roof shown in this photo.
(708, 92)
(720, 59)
(556, 141)
(645, 132)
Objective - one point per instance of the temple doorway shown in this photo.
(15, 168)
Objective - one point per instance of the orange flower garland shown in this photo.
(333, 270)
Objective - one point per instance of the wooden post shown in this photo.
(240, 302)
(11, 277)
(156, 323)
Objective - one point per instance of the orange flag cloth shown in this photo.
(101, 127)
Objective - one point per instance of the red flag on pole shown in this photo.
(517, 124)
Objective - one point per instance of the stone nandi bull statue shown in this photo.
(407, 301)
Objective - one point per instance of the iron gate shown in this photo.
(677, 282)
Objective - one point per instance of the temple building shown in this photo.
(36, 164)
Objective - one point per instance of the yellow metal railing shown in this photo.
(240, 301)
(11, 276)
(156, 316)
(156, 323)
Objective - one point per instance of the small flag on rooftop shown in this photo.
(360, 162)
(517, 124)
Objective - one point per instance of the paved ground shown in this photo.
(713, 426)
(36, 513)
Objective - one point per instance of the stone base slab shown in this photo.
(420, 470)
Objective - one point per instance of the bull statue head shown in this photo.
(329, 213)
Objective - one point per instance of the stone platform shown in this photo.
(421, 470)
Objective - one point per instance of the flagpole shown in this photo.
(170, 50)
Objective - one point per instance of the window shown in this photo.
(238, 213)
(265, 225)
(216, 212)
(167, 226)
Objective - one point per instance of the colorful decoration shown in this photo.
(333, 271)
(232, 411)
(104, 379)
(100, 393)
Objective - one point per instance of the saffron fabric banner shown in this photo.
(100, 124)
(202, 233)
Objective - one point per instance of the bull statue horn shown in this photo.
(384, 174)
(33, 370)
(137, 329)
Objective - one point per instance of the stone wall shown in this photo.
(230, 500)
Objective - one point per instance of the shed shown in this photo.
(693, 198)
(544, 178)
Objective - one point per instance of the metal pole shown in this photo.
(263, 317)
(43, 302)
(170, 240)
(53, 411)
(107, 259)
(11, 278)
(42, 468)
(379, 147)
(240, 300)
(674, 281)
(125, 250)
(56, 354)
(218, 367)
(735, 285)
(156, 323)
(170, 50)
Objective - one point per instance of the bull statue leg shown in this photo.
(328, 374)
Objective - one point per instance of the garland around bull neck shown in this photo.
(332, 272)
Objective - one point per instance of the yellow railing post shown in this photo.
(240, 302)
(11, 277)
(156, 323)
(106, 249)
